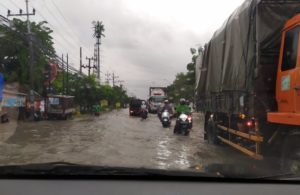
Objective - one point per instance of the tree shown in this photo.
(184, 83)
(88, 92)
(98, 29)
(14, 56)
(98, 34)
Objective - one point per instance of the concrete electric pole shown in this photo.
(30, 56)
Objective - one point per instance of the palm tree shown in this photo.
(98, 29)
(98, 34)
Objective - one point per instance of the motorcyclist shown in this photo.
(166, 106)
(144, 106)
(144, 109)
(182, 107)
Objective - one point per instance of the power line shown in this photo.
(57, 31)
(54, 28)
(58, 21)
(39, 47)
(15, 4)
(61, 36)
(3, 5)
(71, 32)
(65, 19)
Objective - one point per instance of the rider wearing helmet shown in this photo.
(165, 106)
(144, 105)
(182, 107)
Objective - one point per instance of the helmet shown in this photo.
(166, 101)
(182, 101)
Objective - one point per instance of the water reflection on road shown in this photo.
(113, 139)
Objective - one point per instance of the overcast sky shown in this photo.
(146, 42)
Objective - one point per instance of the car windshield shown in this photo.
(73, 75)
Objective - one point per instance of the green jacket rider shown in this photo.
(182, 107)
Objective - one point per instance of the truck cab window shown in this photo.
(290, 49)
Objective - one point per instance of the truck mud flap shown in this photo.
(255, 138)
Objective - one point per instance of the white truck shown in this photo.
(156, 97)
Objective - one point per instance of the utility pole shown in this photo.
(80, 68)
(120, 82)
(63, 75)
(30, 57)
(29, 37)
(107, 78)
(114, 78)
(98, 60)
(89, 66)
(98, 33)
(95, 62)
(67, 80)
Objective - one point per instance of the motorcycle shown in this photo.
(144, 114)
(183, 124)
(165, 119)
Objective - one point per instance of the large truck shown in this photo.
(156, 97)
(248, 82)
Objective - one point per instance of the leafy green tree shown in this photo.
(88, 92)
(14, 52)
(98, 29)
(184, 83)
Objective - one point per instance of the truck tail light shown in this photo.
(249, 123)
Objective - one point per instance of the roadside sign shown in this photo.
(1, 86)
(104, 103)
(118, 105)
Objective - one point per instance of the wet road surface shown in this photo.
(115, 139)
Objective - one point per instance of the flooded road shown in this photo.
(114, 139)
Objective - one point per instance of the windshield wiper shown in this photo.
(65, 169)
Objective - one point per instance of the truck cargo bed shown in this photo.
(237, 69)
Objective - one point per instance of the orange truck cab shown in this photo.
(288, 76)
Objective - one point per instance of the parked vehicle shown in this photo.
(60, 107)
(156, 97)
(250, 103)
(165, 119)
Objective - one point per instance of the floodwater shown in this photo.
(115, 139)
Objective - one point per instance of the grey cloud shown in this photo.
(140, 50)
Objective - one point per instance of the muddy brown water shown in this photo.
(115, 139)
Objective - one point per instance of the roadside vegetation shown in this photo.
(184, 84)
(14, 65)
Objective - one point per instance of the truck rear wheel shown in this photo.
(206, 121)
(212, 133)
(290, 154)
